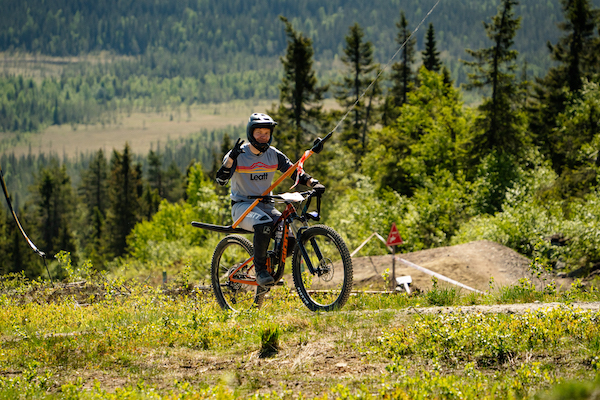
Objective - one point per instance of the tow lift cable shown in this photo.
(14, 214)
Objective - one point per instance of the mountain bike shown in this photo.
(321, 263)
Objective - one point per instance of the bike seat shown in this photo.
(220, 228)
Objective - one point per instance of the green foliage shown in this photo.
(98, 96)
(525, 221)
(185, 52)
(577, 139)
(493, 339)
(428, 136)
(168, 238)
(202, 197)
(578, 126)
(571, 389)
(74, 273)
(436, 211)
(442, 296)
(496, 174)
(143, 335)
(362, 211)
(269, 341)
(427, 219)
(203, 30)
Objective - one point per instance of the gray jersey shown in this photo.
(252, 174)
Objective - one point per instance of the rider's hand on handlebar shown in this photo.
(237, 149)
(319, 188)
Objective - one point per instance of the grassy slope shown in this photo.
(132, 341)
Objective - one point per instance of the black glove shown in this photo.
(237, 149)
(319, 188)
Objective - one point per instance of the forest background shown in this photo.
(485, 125)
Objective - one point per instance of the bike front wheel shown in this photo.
(329, 286)
(230, 253)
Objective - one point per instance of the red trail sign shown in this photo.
(394, 237)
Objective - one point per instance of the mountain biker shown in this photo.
(251, 168)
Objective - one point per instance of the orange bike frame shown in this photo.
(288, 210)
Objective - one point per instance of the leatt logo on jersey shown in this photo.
(260, 177)
(256, 168)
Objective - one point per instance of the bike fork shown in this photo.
(306, 257)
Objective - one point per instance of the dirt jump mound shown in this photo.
(472, 264)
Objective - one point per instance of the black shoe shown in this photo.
(264, 279)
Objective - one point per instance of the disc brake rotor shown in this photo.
(325, 271)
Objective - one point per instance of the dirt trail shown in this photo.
(472, 264)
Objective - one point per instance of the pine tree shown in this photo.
(155, 173)
(125, 187)
(20, 257)
(402, 76)
(54, 204)
(94, 194)
(358, 58)
(299, 112)
(574, 51)
(431, 57)
(93, 188)
(493, 69)
(173, 183)
(577, 56)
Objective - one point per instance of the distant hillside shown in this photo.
(214, 31)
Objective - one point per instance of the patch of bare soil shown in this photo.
(472, 264)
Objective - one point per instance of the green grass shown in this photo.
(141, 343)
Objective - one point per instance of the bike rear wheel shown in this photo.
(329, 287)
(229, 254)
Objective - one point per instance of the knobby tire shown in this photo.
(229, 253)
(330, 287)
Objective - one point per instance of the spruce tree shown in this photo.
(93, 188)
(300, 101)
(576, 54)
(94, 194)
(173, 183)
(403, 76)
(20, 256)
(358, 58)
(494, 68)
(155, 173)
(125, 187)
(54, 204)
(431, 57)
